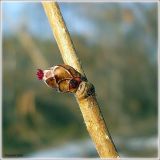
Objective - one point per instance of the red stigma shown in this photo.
(40, 74)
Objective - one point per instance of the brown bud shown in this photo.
(63, 77)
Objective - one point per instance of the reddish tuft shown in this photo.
(40, 74)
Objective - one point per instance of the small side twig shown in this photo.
(85, 95)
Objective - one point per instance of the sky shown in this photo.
(12, 13)
(32, 16)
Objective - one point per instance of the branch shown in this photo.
(62, 36)
(85, 95)
(32, 50)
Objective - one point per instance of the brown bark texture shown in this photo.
(85, 95)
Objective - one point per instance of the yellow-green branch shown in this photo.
(88, 104)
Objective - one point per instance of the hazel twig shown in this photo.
(85, 94)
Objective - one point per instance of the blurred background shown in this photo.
(117, 45)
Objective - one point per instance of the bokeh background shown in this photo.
(117, 45)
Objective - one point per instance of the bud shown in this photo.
(63, 78)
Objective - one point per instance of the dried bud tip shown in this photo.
(40, 74)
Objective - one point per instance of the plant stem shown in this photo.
(62, 36)
(88, 105)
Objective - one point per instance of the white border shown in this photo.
(1, 81)
(85, 1)
(82, 1)
(158, 79)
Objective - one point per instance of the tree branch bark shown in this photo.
(89, 107)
